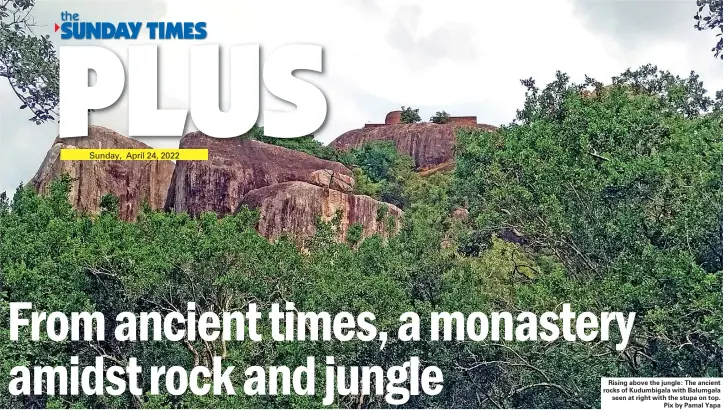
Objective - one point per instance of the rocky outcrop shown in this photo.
(460, 213)
(133, 182)
(237, 166)
(290, 189)
(292, 208)
(428, 144)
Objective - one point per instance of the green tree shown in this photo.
(41, 259)
(28, 61)
(380, 160)
(110, 204)
(711, 20)
(354, 233)
(621, 186)
(383, 165)
(440, 117)
(410, 115)
(363, 184)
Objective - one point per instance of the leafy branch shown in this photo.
(28, 61)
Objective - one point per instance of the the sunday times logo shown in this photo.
(73, 28)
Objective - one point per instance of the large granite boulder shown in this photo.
(237, 166)
(292, 208)
(430, 145)
(133, 182)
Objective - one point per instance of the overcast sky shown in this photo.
(464, 57)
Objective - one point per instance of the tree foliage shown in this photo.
(382, 167)
(616, 191)
(711, 19)
(440, 117)
(622, 185)
(28, 61)
(410, 115)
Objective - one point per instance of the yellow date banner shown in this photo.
(77, 154)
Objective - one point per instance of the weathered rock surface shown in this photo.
(289, 188)
(237, 166)
(428, 144)
(133, 182)
(292, 208)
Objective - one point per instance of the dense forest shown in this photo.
(614, 194)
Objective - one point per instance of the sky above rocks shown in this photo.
(464, 57)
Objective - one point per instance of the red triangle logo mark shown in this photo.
(56, 26)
